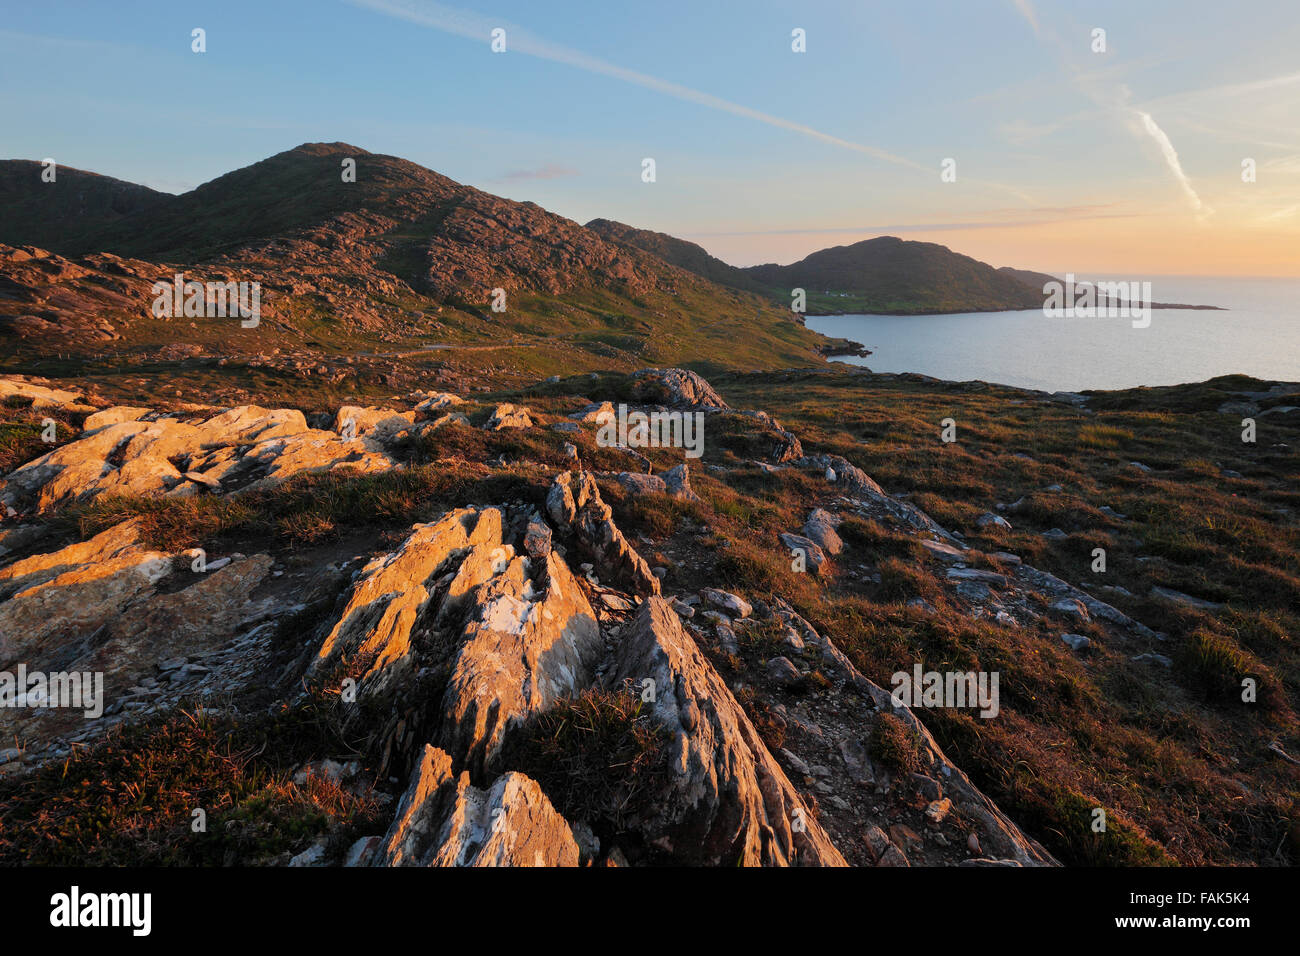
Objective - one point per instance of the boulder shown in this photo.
(678, 481)
(674, 387)
(821, 528)
(594, 413)
(732, 604)
(813, 553)
(509, 416)
(381, 423)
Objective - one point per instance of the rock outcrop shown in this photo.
(444, 821)
(730, 802)
(675, 387)
(575, 506)
(178, 456)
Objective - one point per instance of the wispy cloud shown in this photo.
(549, 171)
(466, 24)
(1040, 217)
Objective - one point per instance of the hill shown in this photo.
(888, 274)
(687, 255)
(355, 274)
(51, 214)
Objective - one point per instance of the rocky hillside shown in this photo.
(400, 260)
(511, 678)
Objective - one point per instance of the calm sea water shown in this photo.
(1259, 336)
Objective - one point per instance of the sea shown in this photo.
(1258, 335)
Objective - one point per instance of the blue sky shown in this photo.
(1125, 160)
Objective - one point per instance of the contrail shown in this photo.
(1171, 159)
(465, 24)
(1027, 11)
(1117, 98)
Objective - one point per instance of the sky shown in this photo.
(1127, 159)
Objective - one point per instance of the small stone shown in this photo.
(938, 811)
(783, 671)
(1155, 659)
(726, 601)
(1071, 606)
(1077, 642)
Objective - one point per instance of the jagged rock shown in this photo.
(76, 589)
(509, 416)
(988, 519)
(392, 591)
(525, 645)
(537, 537)
(444, 821)
(113, 607)
(820, 527)
(1076, 642)
(729, 800)
(574, 505)
(1002, 835)
(675, 387)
